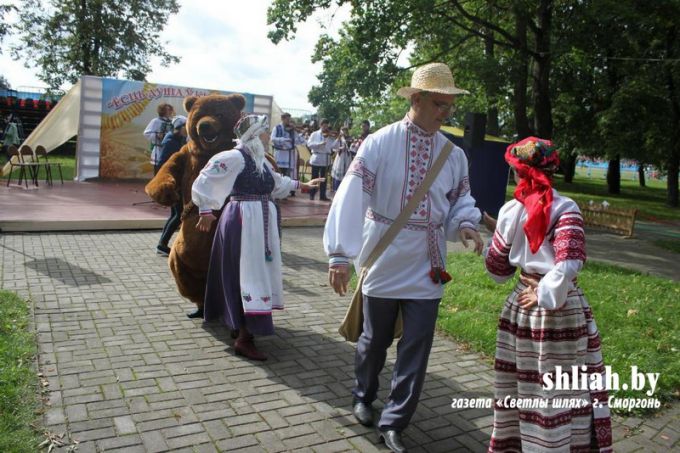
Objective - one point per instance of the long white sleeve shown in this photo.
(462, 213)
(553, 288)
(283, 185)
(569, 246)
(216, 180)
(497, 259)
(343, 238)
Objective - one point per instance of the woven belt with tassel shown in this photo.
(264, 199)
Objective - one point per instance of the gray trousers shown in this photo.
(413, 351)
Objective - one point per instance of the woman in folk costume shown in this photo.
(343, 158)
(244, 280)
(546, 321)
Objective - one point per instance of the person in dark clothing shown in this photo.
(172, 142)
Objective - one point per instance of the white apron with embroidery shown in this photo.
(260, 279)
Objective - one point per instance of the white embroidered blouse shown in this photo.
(389, 166)
(322, 148)
(216, 181)
(559, 259)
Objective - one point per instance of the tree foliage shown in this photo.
(5, 9)
(67, 39)
(601, 77)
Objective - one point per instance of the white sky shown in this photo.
(223, 45)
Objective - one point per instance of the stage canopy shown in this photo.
(109, 117)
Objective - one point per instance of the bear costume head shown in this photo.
(210, 124)
(211, 120)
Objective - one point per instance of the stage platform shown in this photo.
(107, 205)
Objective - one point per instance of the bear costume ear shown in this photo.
(189, 102)
(239, 100)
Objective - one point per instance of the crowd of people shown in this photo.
(409, 167)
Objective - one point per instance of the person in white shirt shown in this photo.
(156, 130)
(284, 140)
(244, 280)
(546, 321)
(343, 157)
(389, 166)
(321, 142)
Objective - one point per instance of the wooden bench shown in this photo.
(617, 220)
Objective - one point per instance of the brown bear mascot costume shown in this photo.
(210, 124)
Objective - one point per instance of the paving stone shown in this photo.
(154, 441)
(128, 371)
(124, 425)
(119, 442)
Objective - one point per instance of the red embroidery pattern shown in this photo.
(497, 261)
(358, 168)
(462, 189)
(418, 162)
(433, 231)
(371, 214)
(570, 241)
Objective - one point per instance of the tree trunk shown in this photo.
(673, 173)
(543, 124)
(492, 126)
(614, 175)
(569, 167)
(521, 74)
(82, 38)
(641, 174)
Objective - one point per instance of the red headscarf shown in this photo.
(532, 158)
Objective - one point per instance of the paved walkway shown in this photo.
(125, 370)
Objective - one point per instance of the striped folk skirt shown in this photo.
(530, 417)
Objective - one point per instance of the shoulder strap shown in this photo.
(411, 206)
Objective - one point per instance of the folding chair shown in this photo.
(15, 160)
(303, 161)
(41, 152)
(28, 158)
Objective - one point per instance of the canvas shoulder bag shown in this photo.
(352, 324)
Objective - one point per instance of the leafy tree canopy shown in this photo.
(66, 39)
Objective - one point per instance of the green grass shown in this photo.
(636, 315)
(18, 380)
(68, 168)
(650, 201)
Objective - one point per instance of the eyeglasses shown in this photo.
(444, 107)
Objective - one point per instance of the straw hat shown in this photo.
(432, 77)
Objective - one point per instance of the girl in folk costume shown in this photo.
(546, 321)
(244, 280)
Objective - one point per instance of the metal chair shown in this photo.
(41, 153)
(16, 160)
(28, 159)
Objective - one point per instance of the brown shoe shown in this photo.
(246, 348)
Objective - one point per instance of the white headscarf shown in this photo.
(248, 131)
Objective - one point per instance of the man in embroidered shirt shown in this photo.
(390, 164)
(284, 139)
(321, 143)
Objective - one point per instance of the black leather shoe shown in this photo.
(392, 440)
(363, 412)
(198, 313)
